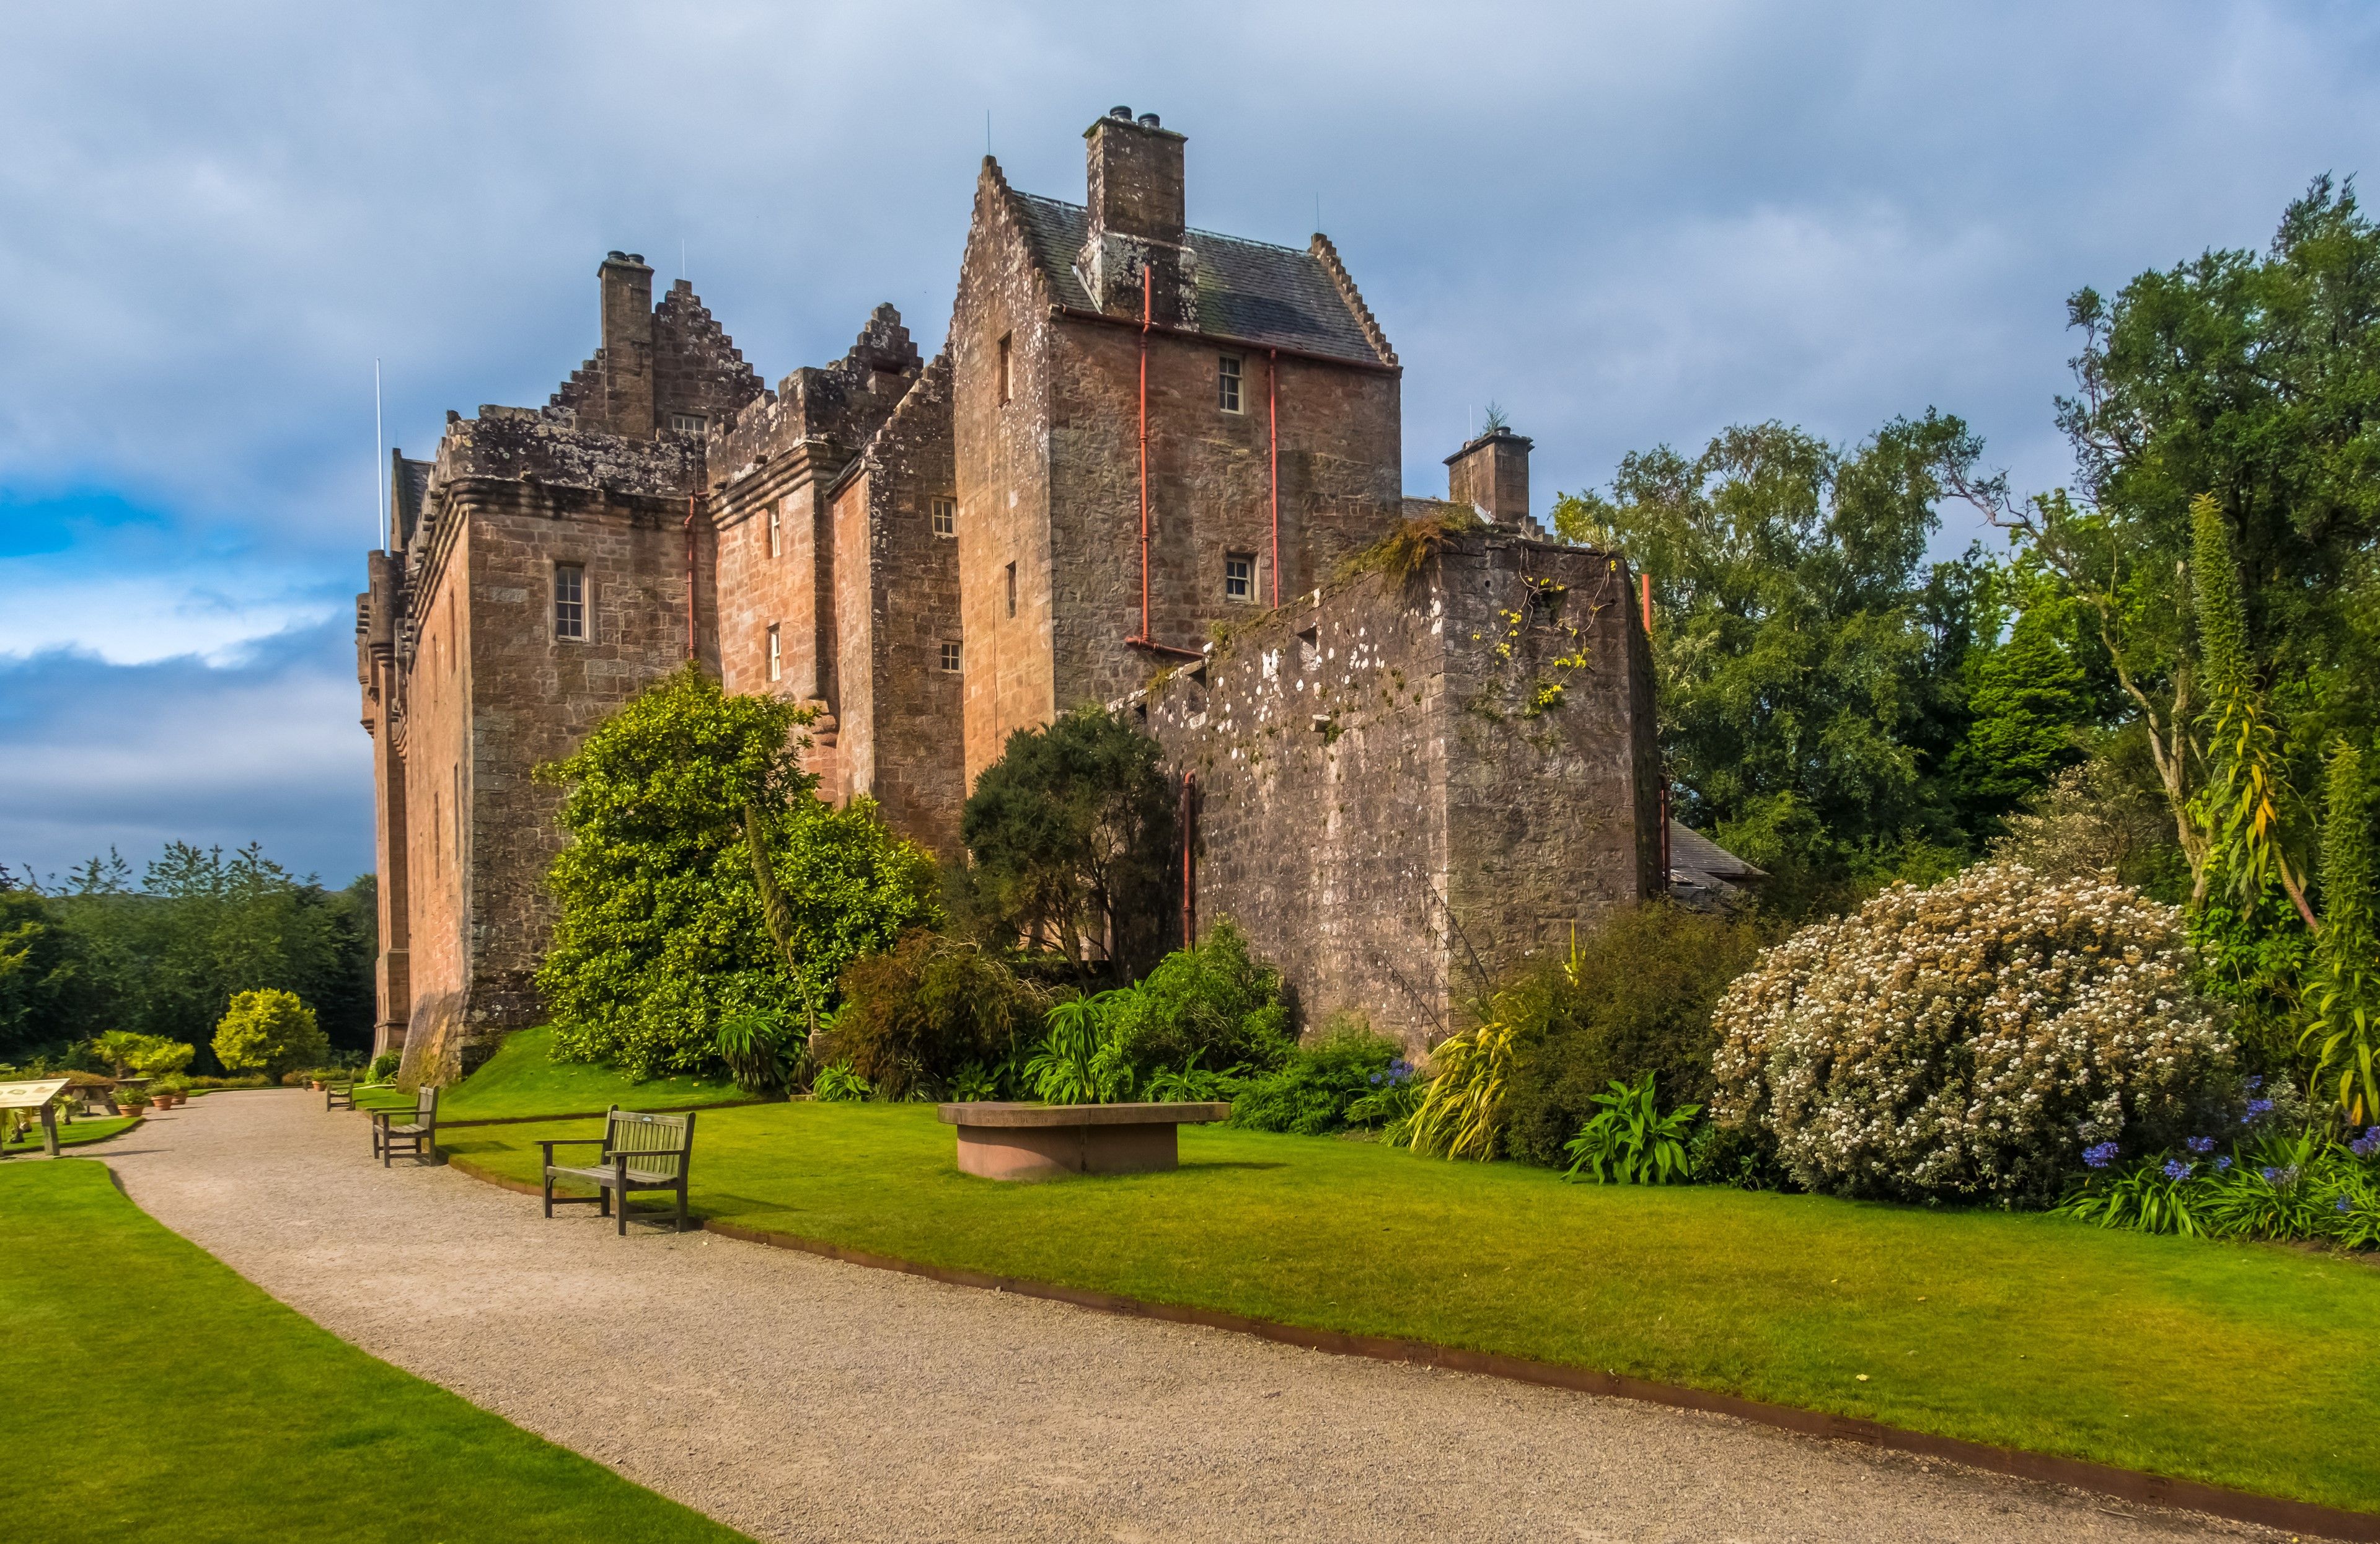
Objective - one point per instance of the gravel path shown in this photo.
(798, 1398)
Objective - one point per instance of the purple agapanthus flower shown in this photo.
(1376, 1080)
(2255, 1083)
(2175, 1169)
(2367, 1144)
(2269, 1172)
(2341, 1205)
(2201, 1144)
(2223, 1163)
(2100, 1156)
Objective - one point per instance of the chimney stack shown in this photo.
(1492, 474)
(627, 386)
(1136, 207)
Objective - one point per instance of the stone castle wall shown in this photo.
(1407, 785)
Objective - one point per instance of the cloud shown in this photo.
(1625, 224)
(97, 755)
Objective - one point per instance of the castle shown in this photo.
(1140, 473)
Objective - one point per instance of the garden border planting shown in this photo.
(2132, 1484)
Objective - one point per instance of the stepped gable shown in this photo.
(1248, 291)
(574, 393)
(929, 394)
(697, 367)
(843, 402)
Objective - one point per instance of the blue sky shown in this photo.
(1625, 225)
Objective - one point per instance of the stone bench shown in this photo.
(1035, 1141)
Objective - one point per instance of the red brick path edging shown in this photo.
(2131, 1485)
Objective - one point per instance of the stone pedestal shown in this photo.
(1039, 1141)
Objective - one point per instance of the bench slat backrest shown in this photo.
(656, 1143)
(425, 1106)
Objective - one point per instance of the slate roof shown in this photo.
(411, 486)
(1251, 290)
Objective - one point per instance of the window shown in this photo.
(1227, 384)
(776, 527)
(951, 657)
(1239, 576)
(1546, 606)
(1005, 380)
(457, 808)
(570, 601)
(776, 654)
(946, 516)
(1011, 589)
(687, 423)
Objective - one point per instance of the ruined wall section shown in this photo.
(897, 599)
(1000, 349)
(491, 691)
(1409, 786)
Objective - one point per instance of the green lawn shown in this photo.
(2238, 1365)
(156, 1394)
(523, 1078)
(97, 1128)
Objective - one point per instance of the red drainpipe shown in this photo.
(1189, 859)
(689, 579)
(1145, 317)
(1645, 589)
(1273, 413)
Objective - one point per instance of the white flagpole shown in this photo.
(379, 480)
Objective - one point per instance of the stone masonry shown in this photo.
(1138, 437)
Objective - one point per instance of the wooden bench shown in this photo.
(338, 1096)
(637, 1152)
(418, 1137)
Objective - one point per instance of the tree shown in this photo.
(269, 1031)
(40, 980)
(2255, 381)
(663, 935)
(1810, 662)
(1073, 832)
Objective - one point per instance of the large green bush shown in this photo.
(663, 934)
(1215, 1002)
(1633, 997)
(1314, 1090)
(929, 1009)
(270, 1032)
(1074, 841)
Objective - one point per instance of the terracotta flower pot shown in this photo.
(315, 1084)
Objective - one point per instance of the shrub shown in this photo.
(678, 808)
(927, 1009)
(1073, 834)
(1078, 1062)
(839, 1085)
(270, 1032)
(753, 1045)
(152, 1055)
(1461, 1113)
(1311, 1093)
(384, 1065)
(1630, 1140)
(1971, 1040)
(1633, 998)
(1215, 1003)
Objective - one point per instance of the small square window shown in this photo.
(776, 654)
(689, 423)
(1239, 576)
(1004, 377)
(1545, 604)
(776, 527)
(570, 601)
(951, 657)
(946, 516)
(1227, 384)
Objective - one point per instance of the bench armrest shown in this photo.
(550, 1143)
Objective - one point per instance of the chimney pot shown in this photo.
(1492, 474)
(1120, 112)
(1148, 121)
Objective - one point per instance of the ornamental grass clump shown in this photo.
(1971, 1041)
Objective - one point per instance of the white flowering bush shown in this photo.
(1971, 1039)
